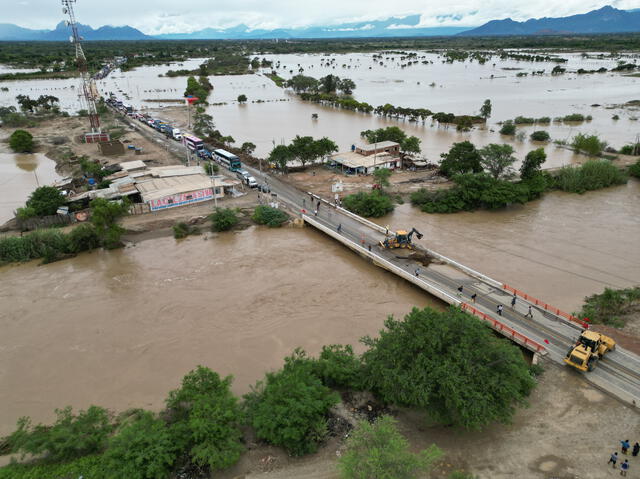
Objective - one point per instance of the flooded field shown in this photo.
(20, 174)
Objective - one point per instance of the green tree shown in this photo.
(462, 158)
(329, 83)
(450, 364)
(83, 238)
(302, 83)
(346, 86)
(248, 148)
(203, 125)
(411, 145)
(266, 215)
(485, 109)
(289, 408)
(497, 159)
(339, 367)
(242, 98)
(324, 146)
(303, 148)
(391, 133)
(540, 135)
(210, 168)
(71, 435)
(381, 177)
(223, 219)
(45, 201)
(508, 128)
(143, 449)
(370, 205)
(378, 450)
(532, 163)
(206, 419)
(26, 103)
(104, 214)
(280, 156)
(21, 141)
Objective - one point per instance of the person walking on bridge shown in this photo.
(613, 459)
(636, 449)
(499, 309)
(529, 314)
(513, 301)
(624, 467)
(474, 296)
(624, 445)
(340, 228)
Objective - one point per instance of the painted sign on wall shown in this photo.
(181, 199)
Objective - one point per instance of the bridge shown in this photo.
(548, 334)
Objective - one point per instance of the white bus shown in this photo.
(227, 159)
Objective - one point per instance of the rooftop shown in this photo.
(378, 146)
(351, 159)
(132, 165)
(157, 188)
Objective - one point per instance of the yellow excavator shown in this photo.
(589, 348)
(400, 239)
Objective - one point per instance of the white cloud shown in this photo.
(166, 16)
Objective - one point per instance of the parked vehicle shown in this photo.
(251, 182)
(192, 142)
(265, 188)
(227, 159)
(243, 175)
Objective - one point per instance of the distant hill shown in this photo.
(391, 27)
(605, 20)
(10, 32)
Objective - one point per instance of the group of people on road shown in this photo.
(625, 445)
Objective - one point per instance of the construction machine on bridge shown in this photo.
(590, 347)
(400, 239)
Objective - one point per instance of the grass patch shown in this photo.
(592, 175)
(182, 230)
(271, 217)
(610, 306)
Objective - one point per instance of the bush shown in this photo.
(21, 141)
(206, 419)
(223, 219)
(576, 117)
(378, 450)
(338, 367)
(540, 135)
(592, 175)
(143, 449)
(589, 144)
(104, 214)
(631, 149)
(373, 204)
(289, 408)
(532, 163)
(508, 128)
(272, 217)
(524, 120)
(92, 169)
(45, 200)
(182, 230)
(34, 245)
(634, 170)
(210, 168)
(449, 364)
(83, 238)
(68, 438)
(89, 467)
(610, 306)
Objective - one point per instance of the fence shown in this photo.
(505, 330)
(30, 224)
(547, 307)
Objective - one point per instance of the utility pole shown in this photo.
(89, 90)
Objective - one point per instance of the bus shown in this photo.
(227, 159)
(194, 143)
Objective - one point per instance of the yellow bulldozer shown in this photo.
(589, 348)
(400, 239)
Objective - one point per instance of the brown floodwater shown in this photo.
(20, 174)
(121, 328)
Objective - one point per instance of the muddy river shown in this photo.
(120, 328)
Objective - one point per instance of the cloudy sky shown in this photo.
(170, 16)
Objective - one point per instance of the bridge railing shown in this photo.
(505, 330)
(545, 306)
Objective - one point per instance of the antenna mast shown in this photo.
(89, 90)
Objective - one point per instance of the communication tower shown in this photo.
(89, 90)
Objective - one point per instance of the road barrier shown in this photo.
(546, 307)
(505, 330)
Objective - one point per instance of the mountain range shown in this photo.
(604, 20)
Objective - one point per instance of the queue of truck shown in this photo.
(191, 142)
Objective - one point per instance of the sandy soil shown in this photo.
(569, 431)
